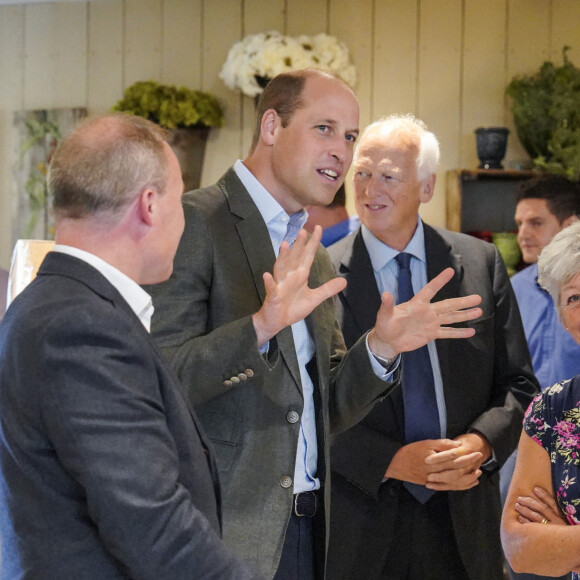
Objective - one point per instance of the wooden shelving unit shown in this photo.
(483, 199)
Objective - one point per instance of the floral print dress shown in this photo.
(553, 421)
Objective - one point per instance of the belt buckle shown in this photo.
(315, 504)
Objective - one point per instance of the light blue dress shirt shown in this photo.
(386, 274)
(555, 354)
(276, 220)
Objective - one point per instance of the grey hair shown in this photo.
(427, 144)
(559, 262)
(105, 163)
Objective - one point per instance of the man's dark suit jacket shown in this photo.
(104, 471)
(249, 406)
(488, 383)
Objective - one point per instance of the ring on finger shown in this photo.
(545, 521)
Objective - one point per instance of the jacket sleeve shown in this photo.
(354, 387)
(513, 381)
(195, 321)
(106, 417)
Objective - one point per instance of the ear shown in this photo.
(427, 189)
(569, 221)
(146, 206)
(270, 121)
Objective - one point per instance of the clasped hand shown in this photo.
(441, 464)
(539, 508)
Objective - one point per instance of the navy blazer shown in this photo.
(488, 382)
(105, 472)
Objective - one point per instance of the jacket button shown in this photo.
(235, 380)
(292, 417)
(249, 373)
(243, 377)
(228, 383)
(286, 481)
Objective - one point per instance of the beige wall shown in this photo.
(446, 61)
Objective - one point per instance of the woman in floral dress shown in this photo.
(539, 531)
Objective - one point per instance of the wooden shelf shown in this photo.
(483, 199)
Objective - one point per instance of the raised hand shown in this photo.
(288, 297)
(411, 325)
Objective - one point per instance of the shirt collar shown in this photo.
(380, 254)
(271, 211)
(139, 301)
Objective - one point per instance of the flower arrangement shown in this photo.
(253, 61)
(171, 107)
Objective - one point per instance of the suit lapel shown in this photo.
(440, 255)
(257, 246)
(362, 298)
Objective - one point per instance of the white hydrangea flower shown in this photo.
(262, 56)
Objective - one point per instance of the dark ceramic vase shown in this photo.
(491, 146)
(188, 144)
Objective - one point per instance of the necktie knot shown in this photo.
(403, 260)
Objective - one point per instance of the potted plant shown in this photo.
(187, 113)
(546, 110)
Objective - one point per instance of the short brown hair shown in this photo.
(284, 94)
(562, 195)
(104, 163)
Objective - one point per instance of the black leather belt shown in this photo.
(306, 504)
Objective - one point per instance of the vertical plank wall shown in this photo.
(446, 61)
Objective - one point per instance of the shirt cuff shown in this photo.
(382, 367)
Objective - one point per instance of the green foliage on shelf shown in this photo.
(546, 110)
(170, 106)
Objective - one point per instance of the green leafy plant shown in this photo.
(170, 106)
(546, 110)
(44, 135)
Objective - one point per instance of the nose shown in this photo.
(373, 186)
(522, 231)
(340, 149)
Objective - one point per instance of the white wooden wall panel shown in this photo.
(40, 59)
(11, 99)
(143, 38)
(482, 94)
(264, 15)
(565, 30)
(181, 52)
(69, 47)
(439, 87)
(306, 17)
(359, 39)
(105, 63)
(447, 61)
(222, 27)
(395, 58)
(528, 47)
(259, 16)
(55, 66)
